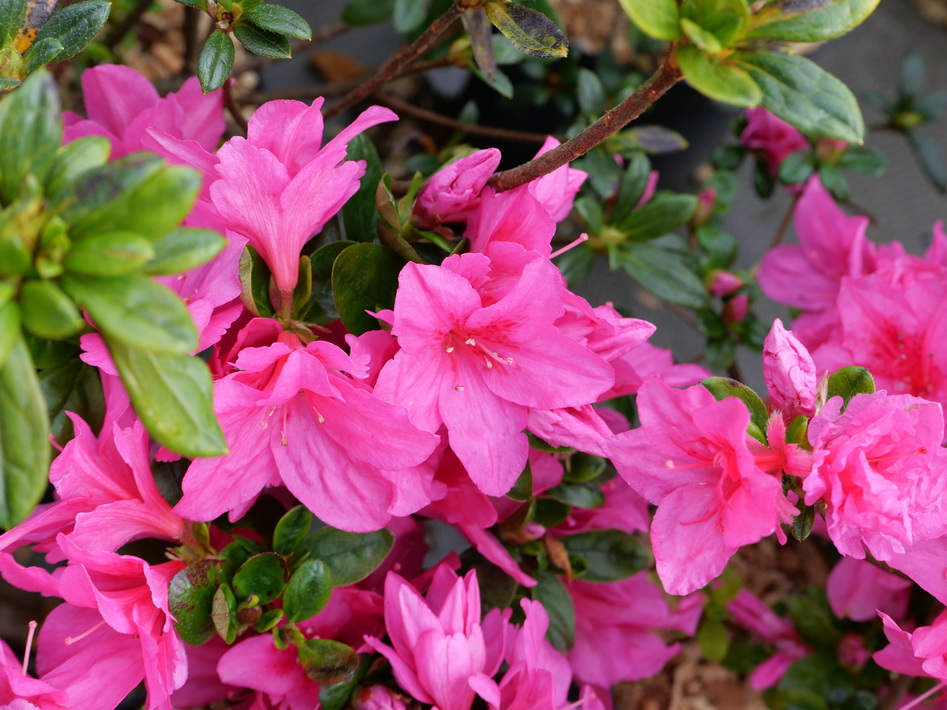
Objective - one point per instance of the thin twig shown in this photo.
(324, 34)
(192, 21)
(305, 93)
(399, 60)
(628, 110)
(784, 224)
(131, 19)
(426, 115)
(234, 108)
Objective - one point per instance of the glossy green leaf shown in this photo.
(367, 12)
(550, 512)
(279, 19)
(578, 495)
(41, 53)
(12, 15)
(320, 308)
(308, 591)
(9, 328)
(611, 555)
(74, 26)
(24, 446)
(224, 614)
(633, 184)
(796, 167)
(139, 194)
(702, 39)
(718, 79)
(255, 283)
(184, 249)
(663, 214)
(802, 523)
(72, 386)
(349, 556)
(109, 254)
(528, 30)
(47, 312)
(808, 20)
(72, 161)
(216, 61)
(327, 662)
(805, 95)
(659, 19)
(364, 277)
(590, 93)
(863, 160)
(292, 529)
(555, 598)
(582, 467)
(263, 42)
(663, 272)
(408, 15)
(262, 576)
(137, 311)
(359, 213)
(191, 601)
(850, 381)
(30, 133)
(173, 396)
(723, 387)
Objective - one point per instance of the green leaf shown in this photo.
(191, 601)
(139, 194)
(650, 139)
(590, 92)
(702, 39)
(24, 427)
(850, 381)
(262, 576)
(224, 614)
(664, 273)
(409, 15)
(292, 529)
(74, 26)
(72, 161)
(42, 53)
(72, 386)
(723, 387)
(631, 189)
(911, 80)
(834, 181)
(579, 495)
(555, 598)
(713, 639)
(611, 555)
(802, 523)
(109, 254)
(813, 617)
(9, 328)
(216, 61)
(805, 95)
(808, 20)
(47, 312)
(718, 79)
(12, 16)
(863, 160)
(350, 557)
(659, 19)
(135, 310)
(550, 512)
(280, 20)
(359, 213)
(796, 168)
(663, 214)
(263, 42)
(30, 133)
(364, 277)
(308, 591)
(581, 467)
(184, 249)
(320, 308)
(528, 30)
(255, 283)
(173, 395)
(367, 12)
(931, 160)
(327, 662)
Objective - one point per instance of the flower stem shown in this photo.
(628, 110)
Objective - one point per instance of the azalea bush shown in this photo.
(279, 429)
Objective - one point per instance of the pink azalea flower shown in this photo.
(771, 138)
(278, 187)
(378, 697)
(691, 458)
(291, 416)
(453, 192)
(857, 589)
(751, 613)
(513, 216)
(15, 685)
(438, 643)
(647, 360)
(124, 107)
(476, 365)
(616, 629)
(922, 652)
(789, 373)
(878, 468)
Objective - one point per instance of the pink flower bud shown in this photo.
(706, 201)
(453, 192)
(724, 283)
(789, 373)
(735, 310)
(771, 138)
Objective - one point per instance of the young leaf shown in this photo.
(659, 19)
(24, 427)
(109, 254)
(718, 79)
(47, 312)
(9, 328)
(308, 591)
(71, 162)
(528, 30)
(805, 95)
(74, 26)
(850, 381)
(262, 576)
(279, 19)
(808, 20)
(260, 41)
(173, 395)
(216, 61)
(184, 249)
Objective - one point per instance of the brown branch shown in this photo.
(432, 117)
(399, 60)
(234, 108)
(628, 110)
(131, 19)
(324, 34)
(192, 21)
(784, 224)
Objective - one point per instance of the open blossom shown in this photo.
(922, 652)
(857, 589)
(291, 416)
(691, 458)
(438, 643)
(475, 360)
(279, 186)
(878, 468)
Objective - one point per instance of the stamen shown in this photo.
(29, 645)
(571, 245)
(921, 698)
(580, 701)
(449, 349)
(893, 457)
(458, 388)
(72, 639)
